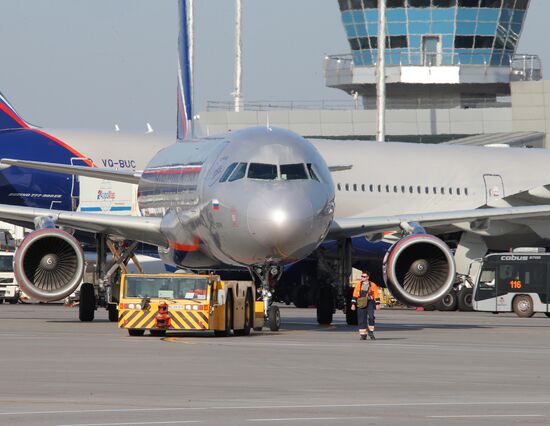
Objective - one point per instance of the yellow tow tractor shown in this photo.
(184, 302)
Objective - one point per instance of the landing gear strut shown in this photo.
(269, 274)
(107, 288)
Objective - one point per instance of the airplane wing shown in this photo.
(478, 218)
(126, 176)
(137, 228)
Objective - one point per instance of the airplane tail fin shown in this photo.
(9, 119)
(185, 107)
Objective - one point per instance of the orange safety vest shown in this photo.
(373, 293)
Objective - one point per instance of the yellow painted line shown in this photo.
(177, 340)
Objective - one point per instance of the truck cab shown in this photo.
(9, 290)
(185, 302)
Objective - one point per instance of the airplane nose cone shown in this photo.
(281, 224)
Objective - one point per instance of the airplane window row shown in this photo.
(263, 171)
(402, 189)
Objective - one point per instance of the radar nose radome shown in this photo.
(281, 223)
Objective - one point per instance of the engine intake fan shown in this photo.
(419, 269)
(49, 264)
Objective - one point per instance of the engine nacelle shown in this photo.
(419, 269)
(49, 264)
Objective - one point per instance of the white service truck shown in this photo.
(9, 290)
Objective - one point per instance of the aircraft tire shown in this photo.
(112, 310)
(248, 316)
(325, 307)
(523, 306)
(465, 299)
(135, 332)
(86, 308)
(448, 302)
(274, 320)
(300, 297)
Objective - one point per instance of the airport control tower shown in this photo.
(439, 53)
(452, 74)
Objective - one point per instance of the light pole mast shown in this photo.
(191, 32)
(381, 74)
(238, 56)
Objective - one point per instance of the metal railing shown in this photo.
(336, 105)
(526, 68)
(282, 105)
(524, 65)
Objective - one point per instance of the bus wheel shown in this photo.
(228, 318)
(274, 318)
(135, 332)
(87, 303)
(448, 302)
(248, 316)
(523, 306)
(465, 298)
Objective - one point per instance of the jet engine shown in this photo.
(49, 264)
(419, 269)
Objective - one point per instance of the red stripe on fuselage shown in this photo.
(24, 125)
(14, 116)
(185, 247)
(67, 147)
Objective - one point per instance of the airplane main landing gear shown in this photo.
(269, 274)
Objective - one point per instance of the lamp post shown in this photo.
(381, 74)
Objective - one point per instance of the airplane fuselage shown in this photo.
(255, 196)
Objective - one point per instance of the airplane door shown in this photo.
(75, 186)
(494, 188)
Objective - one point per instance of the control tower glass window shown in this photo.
(492, 26)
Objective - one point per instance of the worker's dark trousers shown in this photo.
(365, 316)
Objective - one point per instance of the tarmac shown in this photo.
(425, 368)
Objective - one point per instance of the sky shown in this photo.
(88, 64)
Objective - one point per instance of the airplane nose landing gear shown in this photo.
(269, 275)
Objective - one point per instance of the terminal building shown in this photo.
(452, 74)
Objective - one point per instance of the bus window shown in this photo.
(487, 279)
(486, 288)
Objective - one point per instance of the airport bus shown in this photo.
(514, 282)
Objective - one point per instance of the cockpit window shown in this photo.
(238, 173)
(262, 171)
(312, 173)
(228, 172)
(293, 171)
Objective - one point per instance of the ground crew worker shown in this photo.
(365, 299)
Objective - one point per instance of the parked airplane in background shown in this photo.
(392, 179)
(35, 188)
